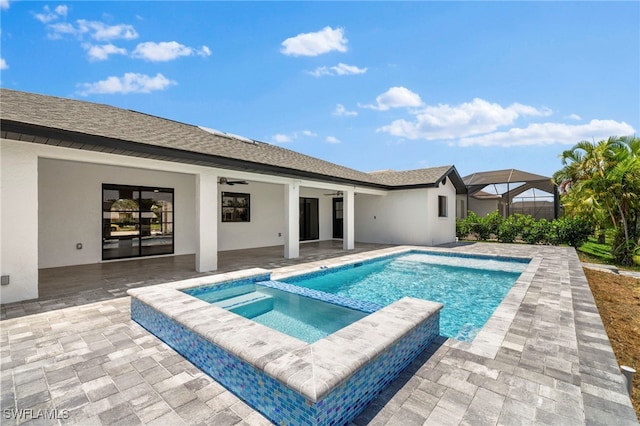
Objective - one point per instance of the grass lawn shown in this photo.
(593, 252)
(618, 301)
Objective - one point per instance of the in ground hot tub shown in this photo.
(299, 316)
(288, 380)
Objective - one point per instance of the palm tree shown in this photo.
(603, 180)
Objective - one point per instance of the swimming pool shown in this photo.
(470, 287)
(298, 316)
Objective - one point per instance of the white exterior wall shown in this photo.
(406, 217)
(70, 195)
(266, 226)
(18, 221)
(442, 229)
(482, 207)
(400, 217)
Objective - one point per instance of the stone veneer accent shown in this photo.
(328, 382)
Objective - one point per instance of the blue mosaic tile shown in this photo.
(335, 299)
(196, 291)
(329, 270)
(271, 397)
(471, 256)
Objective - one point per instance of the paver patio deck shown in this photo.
(553, 364)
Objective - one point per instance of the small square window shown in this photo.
(235, 207)
(442, 206)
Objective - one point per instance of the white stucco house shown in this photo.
(86, 183)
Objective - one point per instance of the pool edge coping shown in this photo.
(313, 370)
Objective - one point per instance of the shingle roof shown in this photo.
(62, 118)
(431, 175)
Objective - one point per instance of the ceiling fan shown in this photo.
(225, 181)
(336, 194)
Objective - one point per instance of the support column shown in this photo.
(18, 221)
(207, 213)
(348, 222)
(292, 220)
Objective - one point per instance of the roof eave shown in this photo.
(50, 136)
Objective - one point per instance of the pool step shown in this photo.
(221, 296)
(248, 305)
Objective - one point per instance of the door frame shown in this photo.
(338, 222)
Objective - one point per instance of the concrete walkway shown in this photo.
(612, 269)
(90, 364)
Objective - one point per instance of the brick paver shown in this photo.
(552, 365)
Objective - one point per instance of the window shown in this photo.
(136, 221)
(235, 207)
(442, 206)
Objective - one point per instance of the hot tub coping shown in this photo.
(313, 370)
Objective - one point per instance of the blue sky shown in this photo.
(369, 85)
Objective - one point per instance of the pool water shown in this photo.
(470, 288)
(302, 317)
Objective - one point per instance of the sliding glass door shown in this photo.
(309, 222)
(136, 221)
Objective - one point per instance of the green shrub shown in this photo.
(573, 231)
(493, 221)
(463, 229)
(509, 230)
(623, 252)
(566, 230)
(480, 227)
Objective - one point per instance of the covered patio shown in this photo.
(66, 286)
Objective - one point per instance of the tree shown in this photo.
(602, 180)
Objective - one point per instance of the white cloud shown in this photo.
(128, 83)
(95, 29)
(60, 29)
(342, 111)
(332, 139)
(551, 133)
(62, 10)
(290, 137)
(396, 97)
(320, 71)
(166, 51)
(46, 16)
(467, 119)
(529, 110)
(281, 138)
(103, 32)
(573, 117)
(204, 51)
(101, 53)
(340, 69)
(4, 4)
(3, 64)
(314, 44)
